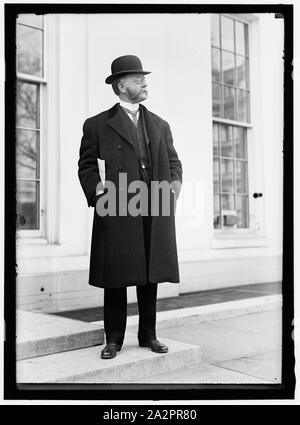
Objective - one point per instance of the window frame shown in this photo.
(234, 86)
(41, 82)
(230, 236)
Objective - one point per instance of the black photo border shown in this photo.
(14, 391)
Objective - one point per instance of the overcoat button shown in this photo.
(119, 146)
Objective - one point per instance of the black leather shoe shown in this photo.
(155, 346)
(110, 350)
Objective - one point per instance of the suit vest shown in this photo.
(142, 146)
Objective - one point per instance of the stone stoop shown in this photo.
(132, 364)
(194, 315)
(51, 349)
(44, 334)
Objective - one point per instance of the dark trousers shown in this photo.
(115, 301)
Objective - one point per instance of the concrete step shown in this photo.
(43, 334)
(191, 315)
(204, 373)
(132, 364)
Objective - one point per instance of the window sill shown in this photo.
(31, 241)
(39, 248)
(238, 241)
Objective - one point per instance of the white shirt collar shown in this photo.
(131, 106)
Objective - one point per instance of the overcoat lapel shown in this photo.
(154, 134)
(117, 122)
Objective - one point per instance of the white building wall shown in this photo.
(176, 48)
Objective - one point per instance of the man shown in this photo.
(128, 249)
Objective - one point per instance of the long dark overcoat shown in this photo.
(117, 255)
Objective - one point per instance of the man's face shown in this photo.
(135, 86)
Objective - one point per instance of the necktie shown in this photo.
(133, 114)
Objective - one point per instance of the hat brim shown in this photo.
(116, 75)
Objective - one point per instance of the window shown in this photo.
(29, 92)
(231, 119)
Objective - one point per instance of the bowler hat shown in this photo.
(123, 65)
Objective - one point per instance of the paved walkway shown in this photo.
(242, 349)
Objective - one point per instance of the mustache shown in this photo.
(135, 96)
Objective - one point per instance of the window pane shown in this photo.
(228, 68)
(215, 139)
(27, 205)
(216, 99)
(31, 19)
(227, 175)
(242, 211)
(215, 31)
(216, 175)
(240, 142)
(227, 202)
(27, 100)
(231, 174)
(227, 34)
(229, 95)
(217, 221)
(26, 154)
(215, 60)
(240, 40)
(241, 71)
(241, 176)
(243, 105)
(30, 50)
(226, 139)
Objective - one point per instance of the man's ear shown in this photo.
(121, 86)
